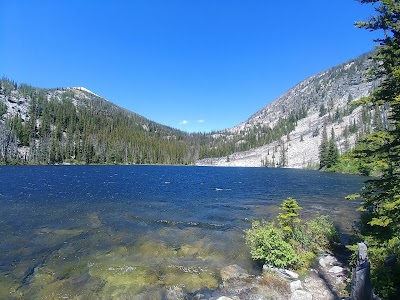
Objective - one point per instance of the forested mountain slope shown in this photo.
(74, 125)
(289, 131)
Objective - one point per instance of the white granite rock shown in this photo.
(295, 285)
(301, 295)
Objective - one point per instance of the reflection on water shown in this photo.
(116, 232)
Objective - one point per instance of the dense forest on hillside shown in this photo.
(75, 126)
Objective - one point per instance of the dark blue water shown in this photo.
(115, 231)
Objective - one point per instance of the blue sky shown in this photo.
(196, 65)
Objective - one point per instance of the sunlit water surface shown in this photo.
(113, 232)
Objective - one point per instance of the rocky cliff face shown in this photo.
(324, 101)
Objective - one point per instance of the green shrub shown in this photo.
(322, 233)
(293, 243)
(385, 278)
(267, 243)
(305, 260)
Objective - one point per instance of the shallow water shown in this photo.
(101, 232)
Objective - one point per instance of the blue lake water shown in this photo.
(101, 232)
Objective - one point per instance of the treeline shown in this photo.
(70, 126)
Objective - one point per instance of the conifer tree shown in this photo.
(333, 152)
(381, 222)
(323, 149)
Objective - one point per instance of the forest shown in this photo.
(72, 126)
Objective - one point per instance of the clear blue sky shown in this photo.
(196, 65)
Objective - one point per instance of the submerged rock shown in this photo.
(175, 293)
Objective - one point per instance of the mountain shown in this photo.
(289, 131)
(75, 125)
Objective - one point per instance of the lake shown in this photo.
(101, 232)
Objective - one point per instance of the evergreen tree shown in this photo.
(289, 216)
(333, 152)
(381, 221)
(324, 149)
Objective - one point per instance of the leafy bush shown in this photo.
(293, 243)
(267, 243)
(322, 233)
(385, 277)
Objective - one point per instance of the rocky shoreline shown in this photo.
(327, 281)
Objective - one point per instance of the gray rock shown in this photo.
(301, 295)
(283, 272)
(336, 270)
(224, 298)
(326, 261)
(295, 285)
(291, 274)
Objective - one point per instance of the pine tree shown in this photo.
(381, 221)
(323, 149)
(289, 216)
(333, 152)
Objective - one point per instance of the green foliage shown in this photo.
(3, 109)
(267, 243)
(322, 233)
(313, 237)
(385, 277)
(380, 225)
(328, 151)
(289, 216)
(292, 244)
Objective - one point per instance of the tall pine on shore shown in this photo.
(380, 224)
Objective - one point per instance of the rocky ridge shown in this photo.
(321, 96)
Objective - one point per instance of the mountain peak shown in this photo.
(81, 88)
